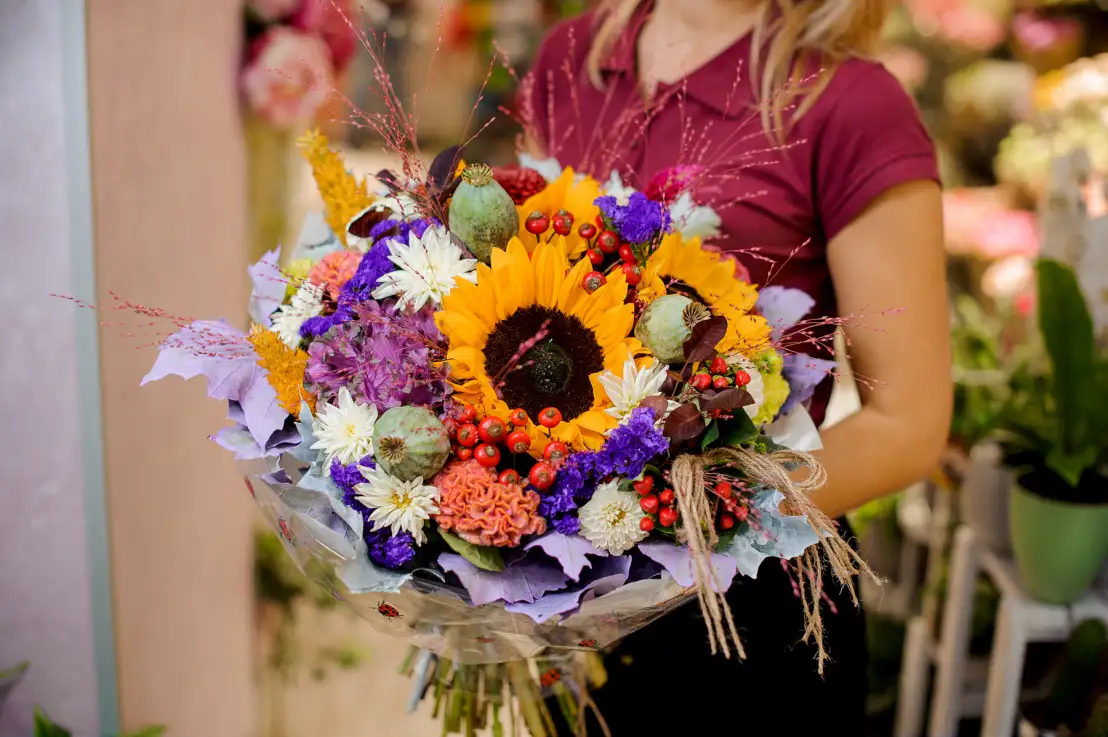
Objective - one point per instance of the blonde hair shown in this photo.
(828, 30)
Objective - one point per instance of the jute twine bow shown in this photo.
(698, 532)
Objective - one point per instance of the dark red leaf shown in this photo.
(441, 171)
(730, 398)
(389, 179)
(701, 344)
(684, 423)
(656, 403)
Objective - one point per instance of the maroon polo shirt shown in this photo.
(780, 204)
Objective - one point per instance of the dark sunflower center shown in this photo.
(553, 373)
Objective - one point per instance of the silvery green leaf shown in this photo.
(779, 535)
(304, 451)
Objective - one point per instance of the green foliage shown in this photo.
(980, 370)
(1068, 703)
(1097, 726)
(485, 558)
(45, 727)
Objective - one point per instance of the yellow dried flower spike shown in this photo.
(284, 368)
(344, 196)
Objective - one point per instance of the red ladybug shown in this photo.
(550, 677)
(484, 640)
(284, 526)
(388, 610)
(589, 642)
(249, 486)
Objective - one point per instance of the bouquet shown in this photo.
(513, 414)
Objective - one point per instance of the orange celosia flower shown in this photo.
(334, 270)
(482, 511)
(284, 369)
(343, 195)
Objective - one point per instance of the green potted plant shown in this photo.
(1055, 437)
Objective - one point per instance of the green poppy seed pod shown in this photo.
(482, 213)
(410, 442)
(667, 323)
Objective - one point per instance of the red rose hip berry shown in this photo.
(721, 382)
(607, 241)
(550, 417)
(541, 476)
(519, 441)
(633, 274)
(666, 497)
(644, 485)
(627, 254)
(467, 435)
(742, 378)
(646, 524)
(593, 280)
(586, 231)
(726, 521)
(719, 365)
(487, 455)
(595, 257)
(700, 382)
(464, 454)
(649, 504)
(537, 223)
(492, 429)
(555, 452)
(508, 476)
(468, 413)
(667, 516)
(518, 417)
(723, 488)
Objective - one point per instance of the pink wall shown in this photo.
(167, 167)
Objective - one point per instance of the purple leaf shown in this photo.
(211, 348)
(262, 415)
(730, 398)
(684, 423)
(608, 576)
(783, 307)
(678, 563)
(657, 404)
(441, 171)
(521, 582)
(804, 373)
(269, 287)
(701, 344)
(569, 550)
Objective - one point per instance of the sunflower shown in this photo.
(488, 323)
(706, 276)
(564, 193)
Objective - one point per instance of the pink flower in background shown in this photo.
(973, 28)
(978, 222)
(332, 21)
(271, 10)
(1009, 233)
(1037, 33)
(907, 65)
(289, 76)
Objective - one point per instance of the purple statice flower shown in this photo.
(641, 220)
(347, 478)
(376, 263)
(388, 550)
(319, 325)
(626, 452)
(382, 356)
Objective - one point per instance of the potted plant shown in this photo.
(1077, 704)
(980, 392)
(1055, 427)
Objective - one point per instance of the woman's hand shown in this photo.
(889, 266)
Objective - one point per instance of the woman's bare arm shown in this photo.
(891, 258)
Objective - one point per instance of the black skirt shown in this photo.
(663, 679)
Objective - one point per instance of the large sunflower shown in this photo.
(683, 266)
(564, 193)
(488, 322)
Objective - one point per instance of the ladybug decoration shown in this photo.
(588, 642)
(484, 640)
(550, 677)
(337, 596)
(249, 486)
(388, 610)
(285, 531)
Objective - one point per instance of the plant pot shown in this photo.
(984, 497)
(1059, 546)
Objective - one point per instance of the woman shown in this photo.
(825, 180)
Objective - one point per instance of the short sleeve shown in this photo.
(872, 139)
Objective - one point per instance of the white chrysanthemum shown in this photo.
(425, 269)
(692, 220)
(616, 188)
(307, 302)
(636, 385)
(610, 520)
(344, 431)
(756, 387)
(401, 506)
